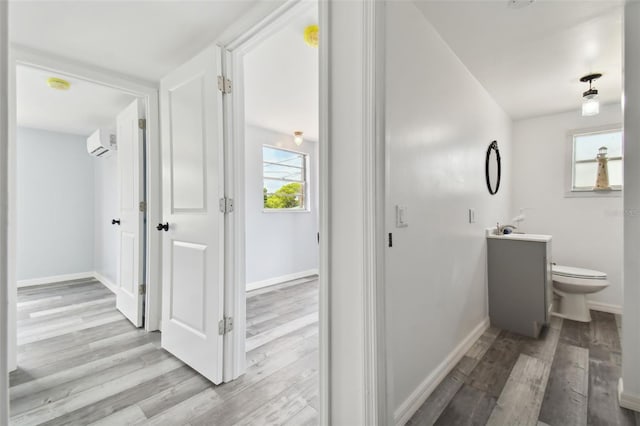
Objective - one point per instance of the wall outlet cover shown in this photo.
(401, 216)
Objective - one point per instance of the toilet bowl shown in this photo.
(571, 286)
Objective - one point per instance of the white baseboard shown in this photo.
(409, 407)
(105, 281)
(604, 307)
(54, 279)
(279, 280)
(631, 402)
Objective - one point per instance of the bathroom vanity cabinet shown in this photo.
(519, 278)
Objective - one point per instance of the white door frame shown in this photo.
(148, 92)
(235, 281)
(4, 145)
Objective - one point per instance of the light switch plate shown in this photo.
(401, 216)
(472, 215)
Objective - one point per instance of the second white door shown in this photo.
(130, 142)
(193, 227)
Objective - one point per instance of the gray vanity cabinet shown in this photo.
(519, 279)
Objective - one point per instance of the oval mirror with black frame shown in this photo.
(493, 168)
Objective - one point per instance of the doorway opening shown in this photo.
(276, 142)
(80, 228)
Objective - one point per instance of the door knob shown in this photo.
(115, 221)
(163, 227)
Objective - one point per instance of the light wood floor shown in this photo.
(81, 362)
(568, 377)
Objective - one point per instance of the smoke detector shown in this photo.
(58, 83)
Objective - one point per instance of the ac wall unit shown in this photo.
(101, 143)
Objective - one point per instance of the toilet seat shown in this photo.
(579, 273)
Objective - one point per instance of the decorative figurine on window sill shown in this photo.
(602, 181)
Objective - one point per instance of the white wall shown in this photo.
(587, 231)
(106, 208)
(55, 207)
(439, 124)
(278, 243)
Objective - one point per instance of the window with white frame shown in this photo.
(584, 163)
(284, 176)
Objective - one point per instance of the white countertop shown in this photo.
(521, 237)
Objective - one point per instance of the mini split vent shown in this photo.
(101, 143)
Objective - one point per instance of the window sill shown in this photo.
(285, 211)
(614, 193)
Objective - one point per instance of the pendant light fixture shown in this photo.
(297, 138)
(590, 102)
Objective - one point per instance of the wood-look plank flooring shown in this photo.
(81, 362)
(567, 377)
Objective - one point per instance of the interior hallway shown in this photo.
(567, 377)
(81, 362)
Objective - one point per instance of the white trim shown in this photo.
(281, 279)
(11, 266)
(148, 91)
(614, 193)
(324, 410)
(626, 400)
(55, 279)
(261, 23)
(69, 277)
(106, 282)
(409, 407)
(6, 312)
(234, 290)
(373, 178)
(604, 307)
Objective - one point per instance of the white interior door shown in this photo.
(193, 232)
(130, 140)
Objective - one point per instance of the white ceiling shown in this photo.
(80, 110)
(530, 59)
(281, 81)
(144, 39)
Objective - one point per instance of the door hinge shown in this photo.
(225, 325)
(224, 85)
(142, 123)
(226, 205)
(143, 206)
(142, 289)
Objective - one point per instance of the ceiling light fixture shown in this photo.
(590, 102)
(297, 138)
(58, 83)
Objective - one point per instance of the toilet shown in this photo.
(571, 286)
